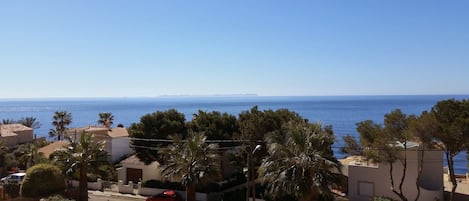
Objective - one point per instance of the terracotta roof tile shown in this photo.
(49, 149)
(10, 129)
(113, 133)
(118, 132)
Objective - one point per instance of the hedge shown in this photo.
(43, 180)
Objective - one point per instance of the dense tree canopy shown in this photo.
(216, 126)
(450, 119)
(445, 126)
(157, 125)
(351, 146)
(388, 144)
(254, 123)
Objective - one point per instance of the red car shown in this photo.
(166, 196)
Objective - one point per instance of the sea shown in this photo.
(342, 112)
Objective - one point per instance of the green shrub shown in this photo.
(43, 180)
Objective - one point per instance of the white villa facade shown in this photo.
(366, 180)
(135, 170)
(117, 140)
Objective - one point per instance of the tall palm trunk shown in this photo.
(248, 177)
(312, 194)
(61, 133)
(190, 192)
(83, 186)
(251, 179)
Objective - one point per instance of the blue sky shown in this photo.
(112, 48)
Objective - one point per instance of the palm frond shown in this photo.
(300, 160)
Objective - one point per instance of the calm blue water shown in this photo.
(342, 112)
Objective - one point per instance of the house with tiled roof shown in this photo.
(50, 148)
(13, 134)
(116, 140)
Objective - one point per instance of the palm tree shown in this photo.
(106, 119)
(191, 161)
(8, 121)
(83, 157)
(30, 156)
(301, 162)
(30, 122)
(61, 120)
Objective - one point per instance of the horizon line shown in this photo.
(220, 96)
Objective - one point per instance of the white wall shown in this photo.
(151, 171)
(365, 180)
(121, 174)
(120, 147)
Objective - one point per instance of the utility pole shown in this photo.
(251, 188)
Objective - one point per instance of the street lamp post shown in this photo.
(248, 173)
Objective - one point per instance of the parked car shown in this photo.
(15, 177)
(166, 196)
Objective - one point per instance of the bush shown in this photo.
(43, 180)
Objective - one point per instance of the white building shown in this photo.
(135, 170)
(117, 140)
(366, 180)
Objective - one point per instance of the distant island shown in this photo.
(206, 96)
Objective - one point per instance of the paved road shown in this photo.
(111, 198)
(104, 196)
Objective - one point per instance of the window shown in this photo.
(366, 189)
